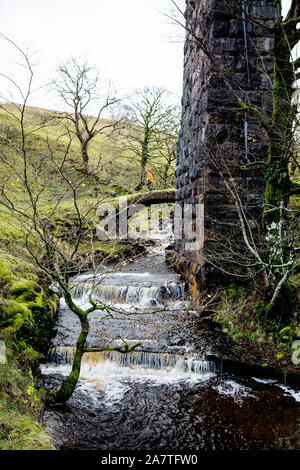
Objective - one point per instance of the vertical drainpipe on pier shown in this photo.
(248, 84)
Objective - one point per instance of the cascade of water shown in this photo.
(129, 294)
(133, 288)
(103, 362)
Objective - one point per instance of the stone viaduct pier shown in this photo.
(225, 55)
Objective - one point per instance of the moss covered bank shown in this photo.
(27, 314)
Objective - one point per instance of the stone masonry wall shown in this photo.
(213, 126)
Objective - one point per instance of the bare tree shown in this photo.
(77, 85)
(166, 164)
(147, 134)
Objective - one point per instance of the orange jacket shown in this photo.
(149, 176)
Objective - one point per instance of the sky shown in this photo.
(131, 42)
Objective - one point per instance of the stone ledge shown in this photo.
(248, 369)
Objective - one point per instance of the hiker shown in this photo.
(149, 179)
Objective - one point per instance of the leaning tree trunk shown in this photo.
(69, 384)
(278, 183)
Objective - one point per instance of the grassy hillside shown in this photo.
(115, 169)
(47, 147)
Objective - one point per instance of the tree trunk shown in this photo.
(85, 156)
(69, 384)
(144, 158)
(278, 183)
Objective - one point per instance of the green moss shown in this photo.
(242, 314)
(237, 336)
(6, 274)
(20, 287)
(285, 333)
(234, 290)
(14, 308)
(29, 293)
(27, 311)
(268, 309)
(297, 332)
(22, 432)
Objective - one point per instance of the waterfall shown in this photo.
(102, 363)
(127, 293)
(150, 285)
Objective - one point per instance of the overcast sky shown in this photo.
(130, 41)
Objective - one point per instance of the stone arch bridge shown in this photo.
(152, 197)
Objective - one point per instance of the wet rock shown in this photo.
(177, 341)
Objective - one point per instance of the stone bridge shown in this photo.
(152, 197)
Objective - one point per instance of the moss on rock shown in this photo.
(27, 310)
(27, 315)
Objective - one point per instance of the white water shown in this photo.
(289, 391)
(235, 390)
(106, 366)
(130, 291)
(141, 295)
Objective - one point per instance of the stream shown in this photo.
(165, 394)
